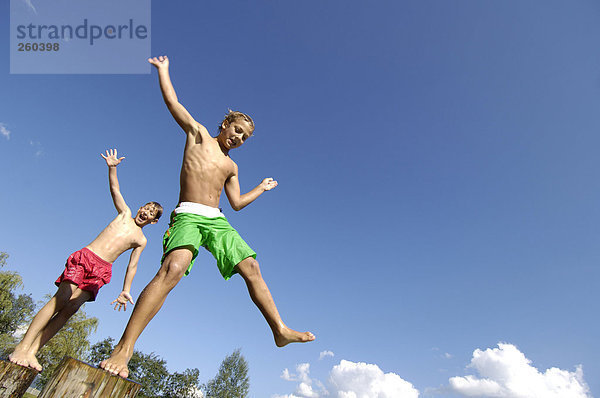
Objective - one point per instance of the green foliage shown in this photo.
(232, 380)
(16, 309)
(183, 385)
(3, 257)
(151, 372)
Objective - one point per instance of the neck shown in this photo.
(223, 148)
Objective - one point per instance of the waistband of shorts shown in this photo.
(198, 209)
(97, 257)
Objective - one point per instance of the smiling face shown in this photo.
(148, 214)
(233, 134)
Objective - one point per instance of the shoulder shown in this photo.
(122, 215)
(234, 167)
(142, 241)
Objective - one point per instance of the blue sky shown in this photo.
(438, 192)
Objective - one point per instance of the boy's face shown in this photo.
(146, 215)
(234, 134)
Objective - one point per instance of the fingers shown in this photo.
(156, 61)
(269, 183)
(112, 155)
(121, 304)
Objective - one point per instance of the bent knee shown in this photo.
(172, 271)
(249, 268)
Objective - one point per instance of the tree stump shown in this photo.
(76, 379)
(14, 379)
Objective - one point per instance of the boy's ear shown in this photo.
(154, 221)
(225, 124)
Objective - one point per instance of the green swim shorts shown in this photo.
(215, 234)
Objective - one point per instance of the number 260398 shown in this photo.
(38, 46)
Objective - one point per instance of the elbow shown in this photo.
(237, 206)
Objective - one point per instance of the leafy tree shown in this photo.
(16, 309)
(184, 385)
(151, 372)
(232, 380)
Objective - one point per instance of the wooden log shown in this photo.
(76, 379)
(14, 379)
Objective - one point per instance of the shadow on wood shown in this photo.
(76, 379)
(14, 379)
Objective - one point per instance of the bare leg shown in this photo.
(261, 296)
(150, 301)
(78, 298)
(24, 353)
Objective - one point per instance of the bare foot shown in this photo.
(287, 336)
(25, 358)
(117, 363)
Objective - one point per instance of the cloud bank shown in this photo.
(502, 372)
(349, 380)
(505, 372)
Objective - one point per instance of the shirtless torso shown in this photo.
(119, 236)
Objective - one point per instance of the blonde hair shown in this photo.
(232, 116)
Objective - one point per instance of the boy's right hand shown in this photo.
(111, 158)
(159, 62)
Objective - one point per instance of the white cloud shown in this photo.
(324, 354)
(350, 380)
(30, 5)
(505, 372)
(362, 380)
(447, 355)
(305, 388)
(4, 131)
(303, 370)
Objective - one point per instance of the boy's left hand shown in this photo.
(122, 300)
(268, 183)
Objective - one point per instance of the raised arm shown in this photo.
(125, 295)
(112, 161)
(180, 114)
(232, 190)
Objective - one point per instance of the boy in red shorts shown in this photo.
(88, 269)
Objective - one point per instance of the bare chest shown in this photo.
(123, 232)
(206, 159)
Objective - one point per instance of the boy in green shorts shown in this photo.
(197, 221)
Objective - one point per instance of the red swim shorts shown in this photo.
(87, 270)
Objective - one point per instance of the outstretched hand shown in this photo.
(111, 158)
(159, 62)
(121, 301)
(268, 183)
